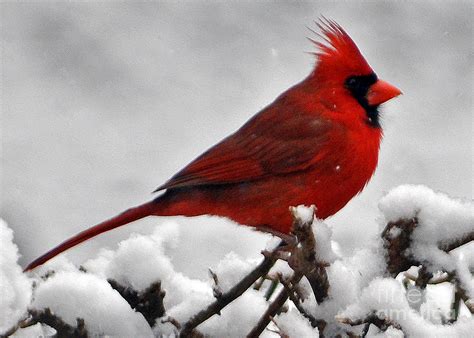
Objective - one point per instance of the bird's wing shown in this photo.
(271, 143)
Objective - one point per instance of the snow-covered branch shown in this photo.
(414, 279)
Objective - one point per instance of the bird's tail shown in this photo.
(125, 217)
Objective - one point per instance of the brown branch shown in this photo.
(302, 260)
(272, 310)
(382, 323)
(424, 276)
(229, 296)
(45, 316)
(398, 258)
(453, 244)
(461, 294)
(295, 298)
(148, 302)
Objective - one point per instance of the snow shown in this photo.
(348, 276)
(387, 298)
(440, 219)
(232, 268)
(303, 213)
(293, 324)
(37, 330)
(123, 130)
(141, 260)
(72, 295)
(324, 244)
(237, 319)
(358, 286)
(14, 285)
(138, 262)
(391, 332)
(465, 277)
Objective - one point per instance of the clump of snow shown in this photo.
(138, 262)
(72, 295)
(37, 330)
(232, 268)
(465, 276)
(58, 263)
(293, 324)
(441, 219)
(184, 295)
(347, 276)
(391, 332)
(15, 287)
(356, 282)
(238, 318)
(324, 244)
(141, 260)
(303, 213)
(386, 298)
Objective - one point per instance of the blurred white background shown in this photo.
(103, 102)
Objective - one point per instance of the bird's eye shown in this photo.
(351, 82)
(359, 84)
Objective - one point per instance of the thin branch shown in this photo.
(398, 247)
(448, 246)
(302, 260)
(45, 316)
(381, 323)
(398, 257)
(272, 310)
(229, 296)
(424, 276)
(148, 302)
(295, 298)
(216, 289)
(461, 294)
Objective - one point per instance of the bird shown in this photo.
(316, 144)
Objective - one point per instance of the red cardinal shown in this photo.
(317, 143)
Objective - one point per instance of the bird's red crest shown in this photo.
(337, 52)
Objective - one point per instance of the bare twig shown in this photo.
(461, 294)
(398, 258)
(424, 276)
(272, 310)
(453, 244)
(271, 289)
(148, 302)
(295, 298)
(228, 296)
(216, 289)
(302, 260)
(381, 323)
(280, 331)
(442, 278)
(45, 316)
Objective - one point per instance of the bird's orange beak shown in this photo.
(381, 92)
